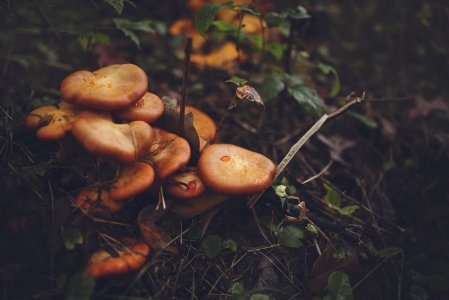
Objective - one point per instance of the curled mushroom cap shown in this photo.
(55, 121)
(108, 88)
(148, 108)
(169, 153)
(185, 184)
(133, 180)
(234, 170)
(103, 264)
(204, 125)
(100, 136)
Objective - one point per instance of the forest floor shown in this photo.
(365, 212)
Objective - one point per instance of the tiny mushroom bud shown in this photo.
(169, 153)
(100, 136)
(109, 88)
(185, 184)
(131, 258)
(148, 108)
(234, 170)
(55, 122)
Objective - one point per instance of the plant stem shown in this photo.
(185, 79)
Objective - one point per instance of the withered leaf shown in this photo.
(170, 122)
(249, 93)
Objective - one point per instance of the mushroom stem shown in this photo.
(185, 79)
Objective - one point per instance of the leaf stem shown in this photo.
(185, 79)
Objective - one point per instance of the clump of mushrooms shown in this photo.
(108, 112)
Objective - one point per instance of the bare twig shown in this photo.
(298, 145)
(185, 79)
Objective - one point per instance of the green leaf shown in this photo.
(237, 288)
(229, 244)
(80, 287)
(276, 49)
(259, 297)
(272, 85)
(128, 27)
(280, 191)
(339, 286)
(274, 19)
(237, 80)
(72, 237)
(308, 98)
(211, 245)
(291, 236)
(116, 4)
(348, 210)
(388, 252)
(291, 80)
(297, 13)
(206, 16)
(332, 197)
(327, 69)
(312, 228)
(367, 121)
(247, 8)
(225, 26)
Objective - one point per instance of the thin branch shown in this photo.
(298, 145)
(185, 79)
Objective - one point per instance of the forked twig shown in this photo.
(298, 145)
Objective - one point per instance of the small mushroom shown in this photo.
(54, 122)
(103, 264)
(234, 170)
(185, 184)
(148, 108)
(169, 153)
(204, 125)
(102, 137)
(109, 88)
(196, 206)
(133, 180)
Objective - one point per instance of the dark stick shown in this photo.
(185, 79)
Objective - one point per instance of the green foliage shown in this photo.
(213, 244)
(272, 85)
(291, 236)
(116, 4)
(72, 237)
(129, 28)
(237, 81)
(240, 293)
(339, 287)
(333, 199)
(81, 287)
(327, 69)
(206, 16)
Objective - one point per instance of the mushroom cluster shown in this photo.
(109, 112)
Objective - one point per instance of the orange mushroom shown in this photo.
(203, 124)
(169, 153)
(234, 170)
(133, 180)
(148, 108)
(185, 184)
(196, 206)
(54, 122)
(103, 264)
(109, 88)
(100, 136)
(224, 57)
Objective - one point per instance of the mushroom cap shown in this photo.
(100, 136)
(234, 170)
(169, 153)
(94, 201)
(132, 181)
(102, 263)
(109, 88)
(204, 125)
(55, 121)
(185, 185)
(222, 58)
(148, 108)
